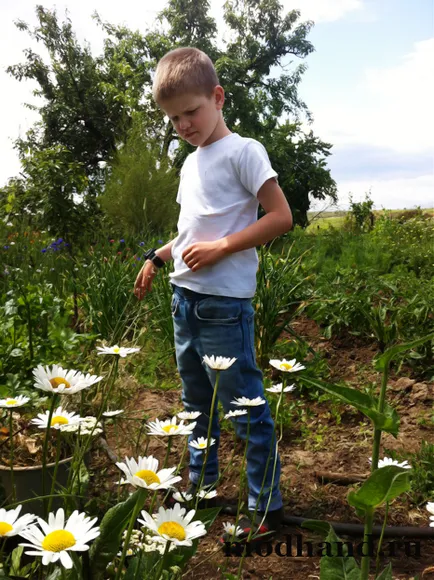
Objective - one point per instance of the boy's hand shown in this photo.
(143, 283)
(202, 254)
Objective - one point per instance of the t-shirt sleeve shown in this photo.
(254, 167)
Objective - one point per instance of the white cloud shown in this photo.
(387, 193)
(392, 107)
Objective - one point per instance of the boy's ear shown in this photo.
(219, 96)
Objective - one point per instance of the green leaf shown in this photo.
(386, 574)
(387, 421)
(319, 526)
(383, 485)
(338, 567)
(107, 544)
(382, 362)
(136, 567)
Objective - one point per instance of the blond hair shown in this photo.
(184, 70)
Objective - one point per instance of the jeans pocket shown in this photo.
(218, 310)
(174, 304)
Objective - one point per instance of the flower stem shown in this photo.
(53, 483)
(44, 454)
(141, 497)
(242, 470)
(364, 569)
(374, 466)
(380, 542)
(208, 441)
(166, 458)
(98, 417)
(11, 435)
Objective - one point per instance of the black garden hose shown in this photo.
(353, 529)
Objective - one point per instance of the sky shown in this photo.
(369, 87)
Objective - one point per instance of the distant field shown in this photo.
(337, 218)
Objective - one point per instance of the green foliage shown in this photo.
(361, 217)
(301, 162)
(280, 286)
(336, 566)
(34, 329)
(387, 420)
(106, 546)
(422, 471)
(108, 304)
(383, 485)
(140, 193)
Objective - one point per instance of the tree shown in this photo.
(87, 102)
(90, 104)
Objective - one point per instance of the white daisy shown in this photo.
(189, 415)
(84, 427)
(204, 494)
(58, 537)
(144, 473)
(14, 402)
(290, 366)
(430, 507)
(182, 496)
(236, 413)
(278, 388)
(11, 524)
(119, 350)
(244, 401)
(113, 413)
(388, 461)
(218, 363)
(59, 418)
(170, 427)
(59, 380)
(231, 530)
(201, 443)
(174, 525)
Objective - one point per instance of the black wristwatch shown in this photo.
(151, 255)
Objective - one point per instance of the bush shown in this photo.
(140, 193)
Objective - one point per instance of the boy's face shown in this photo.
(195, 117)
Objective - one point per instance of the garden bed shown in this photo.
(317, 444)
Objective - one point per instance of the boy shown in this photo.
(215, 264)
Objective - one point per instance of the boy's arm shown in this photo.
(165, 252)
(143, 283)
(276, 221)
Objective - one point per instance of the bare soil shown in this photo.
(344, 448)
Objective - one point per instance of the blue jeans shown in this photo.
(224, 326)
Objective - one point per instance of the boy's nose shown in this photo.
(183, 125)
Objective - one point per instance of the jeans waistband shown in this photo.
(189, 294)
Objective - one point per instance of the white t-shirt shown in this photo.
(217, 193)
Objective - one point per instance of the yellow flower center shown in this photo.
(173, 530)
(59, 420)
(11, 402)
(58, 541)
(116, 349)
(170, 428)
(285, 367)
(148, 476)
(202, 445)
(57, 381)
(5, 528)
